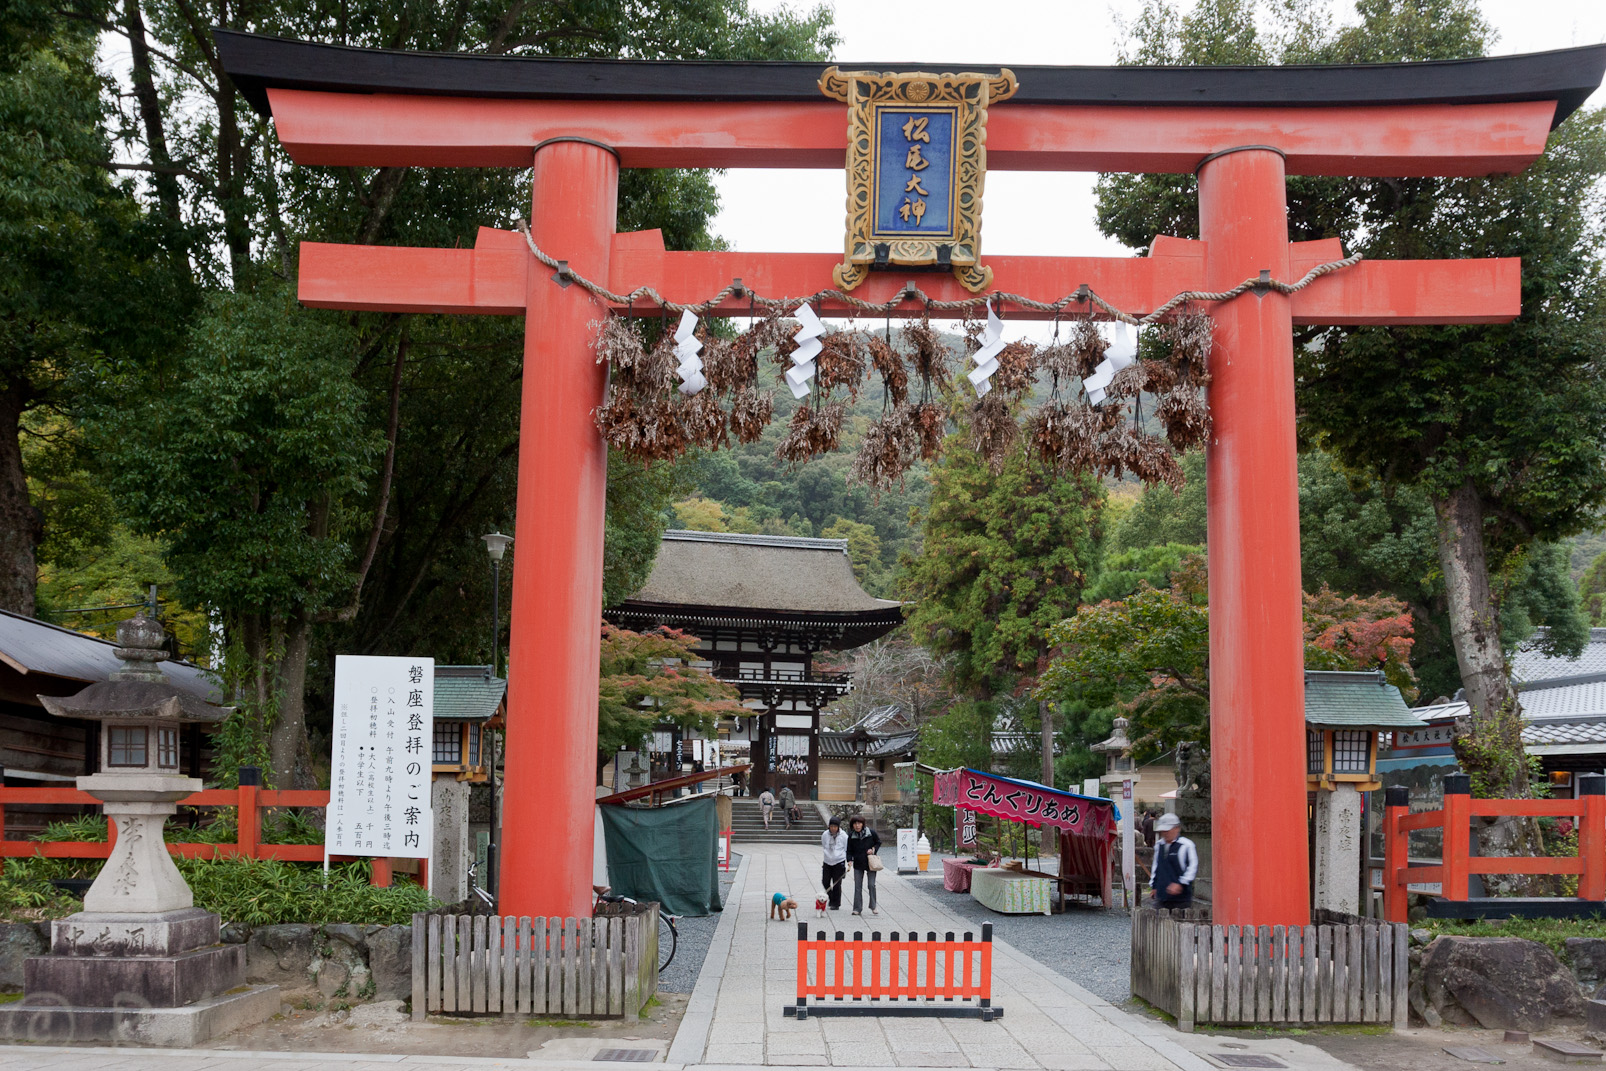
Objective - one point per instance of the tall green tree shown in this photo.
(1503, 427)
(1003, 557)
(75, 284)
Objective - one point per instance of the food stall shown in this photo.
(1086, 824)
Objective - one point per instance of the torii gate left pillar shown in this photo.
(1427, 120)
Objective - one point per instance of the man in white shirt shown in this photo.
(1176, 864)
(834, 842)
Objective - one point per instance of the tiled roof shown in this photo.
(1569, 701)
(1529, 665)
(840, 746)
(1356, 700)
(467, 693)
(1565, 732)
(30, 647)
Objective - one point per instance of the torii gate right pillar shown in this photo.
(1257, 682)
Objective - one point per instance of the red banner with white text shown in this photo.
(1025, 801)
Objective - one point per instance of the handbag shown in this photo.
(876, 863)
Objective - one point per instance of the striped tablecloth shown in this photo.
(1010, 893)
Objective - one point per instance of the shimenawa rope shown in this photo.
(647, 293)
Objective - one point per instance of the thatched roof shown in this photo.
(756, 572)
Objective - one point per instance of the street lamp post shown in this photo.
(496, 543)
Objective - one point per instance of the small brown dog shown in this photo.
(782, 906)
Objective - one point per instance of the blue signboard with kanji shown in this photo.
(915, 173)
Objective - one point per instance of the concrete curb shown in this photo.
(691, 1040)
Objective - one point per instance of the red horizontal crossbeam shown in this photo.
(421, 131)
(491, 279)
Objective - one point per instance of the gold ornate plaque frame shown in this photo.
(958, 244)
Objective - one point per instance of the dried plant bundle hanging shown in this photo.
(727, 366)
(1087, 345)
(993, 431)
(703, 419)
(888, 362)
(751, 412)
(889, 447)
(1017, 369)
(930, 422)
(842, 362)
(812, 432)
(930, 354)
(1185, 416)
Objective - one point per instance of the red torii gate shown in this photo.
(1241, 129)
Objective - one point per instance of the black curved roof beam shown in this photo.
(257, 63)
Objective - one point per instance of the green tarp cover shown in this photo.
(667, 854)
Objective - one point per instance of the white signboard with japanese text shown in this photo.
(908, 857)
(380, 767)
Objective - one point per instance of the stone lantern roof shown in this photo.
(138, 690)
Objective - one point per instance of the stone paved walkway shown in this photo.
(734, 1016)
(1049, 1022)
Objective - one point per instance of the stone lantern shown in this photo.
(141, 963)
(1119, 771)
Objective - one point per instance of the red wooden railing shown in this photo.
(250, 800)
(898, 977)
(658, 788)
(1459, 864)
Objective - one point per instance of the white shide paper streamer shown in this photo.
(986, 358)
(1122, 352)
(808, 348)
(689, 351)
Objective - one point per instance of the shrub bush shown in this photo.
(257, 892)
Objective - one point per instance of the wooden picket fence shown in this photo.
(585, 968)
(1341, 969)
(896, 976)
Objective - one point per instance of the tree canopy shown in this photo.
(1502, 427)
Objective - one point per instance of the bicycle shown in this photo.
(668, 935)
(478, 897)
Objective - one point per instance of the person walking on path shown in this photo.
(766, 805)
(863, 843)
(788, 804)
(834, 867)
(1176, 864)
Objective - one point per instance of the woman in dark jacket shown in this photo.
(862, 844)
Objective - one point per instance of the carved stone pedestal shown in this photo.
(142, 964)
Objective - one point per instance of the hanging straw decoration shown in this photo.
(1106, 415)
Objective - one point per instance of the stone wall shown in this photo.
(332, 963)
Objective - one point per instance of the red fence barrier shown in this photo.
(931, 974)
(1459, 864)
(250, 800)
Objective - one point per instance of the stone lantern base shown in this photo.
(141, 965)
(158, 979)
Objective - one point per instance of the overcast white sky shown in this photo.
(802, 211)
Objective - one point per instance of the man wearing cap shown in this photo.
(1176, 864)
(834, 842)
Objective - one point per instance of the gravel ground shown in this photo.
(695, 935)
(1090, 946)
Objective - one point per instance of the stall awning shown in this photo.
(1026, 801)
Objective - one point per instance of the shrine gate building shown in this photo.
(764, 609)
